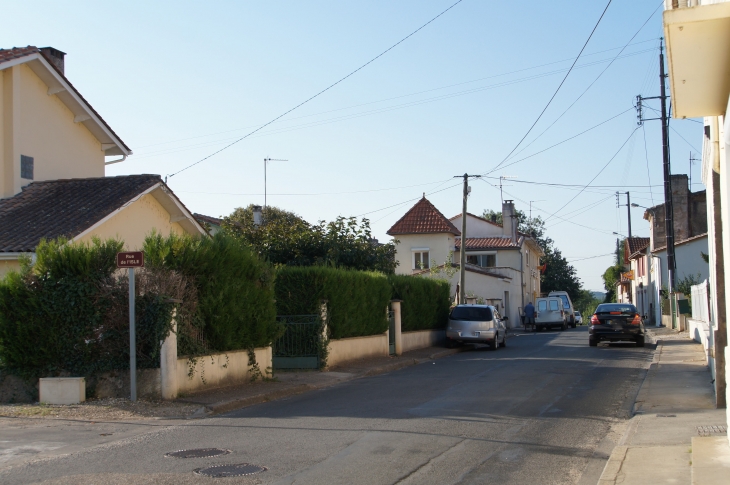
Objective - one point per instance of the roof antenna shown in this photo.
(424, 195)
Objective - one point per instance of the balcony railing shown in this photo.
(673, 4)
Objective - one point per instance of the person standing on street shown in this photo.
(530, 315)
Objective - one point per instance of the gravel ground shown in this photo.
(102, 410)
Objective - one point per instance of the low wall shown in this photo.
(347, 349)
(116, 384)
(681, 322)
(220, 370)
(699, 331)
(420, 339)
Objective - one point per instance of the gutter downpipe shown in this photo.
(657, 292)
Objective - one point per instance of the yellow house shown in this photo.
(53, 149)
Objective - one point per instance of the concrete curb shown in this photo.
(612, 470)
(234, 404)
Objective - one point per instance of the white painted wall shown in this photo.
(439, 246)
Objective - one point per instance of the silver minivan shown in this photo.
(567, 306)
(550, 313)
(477, 324)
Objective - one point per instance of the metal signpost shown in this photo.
(131, 260)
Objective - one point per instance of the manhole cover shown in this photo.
(198, 453)
(718, 430)
(220, 471)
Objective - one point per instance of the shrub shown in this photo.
(68, 313)
(235, 307)
(357, 300)
(425, 304)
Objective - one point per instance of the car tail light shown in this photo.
(636, 320)
(594, 320)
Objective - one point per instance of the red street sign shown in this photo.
(131, 259)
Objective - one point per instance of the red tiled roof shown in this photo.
(64, 208)
(488, 243)
(423, 218)
(208, 219)
(16, 52)
(635, 244)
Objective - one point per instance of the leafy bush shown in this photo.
(68, 313)
(425, 304)
(235, 295)
(357, 300)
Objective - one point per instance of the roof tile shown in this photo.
(476, 243)
(423, 218)
(64, 208)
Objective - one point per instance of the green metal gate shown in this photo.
(391, 333)
(300, 346)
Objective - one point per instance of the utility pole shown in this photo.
(668, 206)
(266, 162)
(503, 177)
(692, 160)
(462, 248)
(628, 207)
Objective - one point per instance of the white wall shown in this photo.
(439, 246)
(689, 260)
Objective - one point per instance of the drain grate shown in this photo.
(198, 453)
(239, 470)
(719, 430)
(666, 415)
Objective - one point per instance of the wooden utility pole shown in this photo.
(462, 247)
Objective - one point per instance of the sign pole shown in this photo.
(132, 340)
(131, 260)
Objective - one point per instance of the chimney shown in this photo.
(509, 224)
(55, 57)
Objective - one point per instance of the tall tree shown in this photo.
(285, 238)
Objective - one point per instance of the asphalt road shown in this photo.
(546, 409)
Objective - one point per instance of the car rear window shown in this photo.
(566, 302)
(542, 305)
(553, 306)
(471, 314)
(616, 307)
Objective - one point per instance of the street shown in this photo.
(545, 409)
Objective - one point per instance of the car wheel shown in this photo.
(495, 343)
(592, 342)
(563, 326)
(640, 342)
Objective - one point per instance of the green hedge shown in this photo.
(235, 291)
(67, 314)
(426, 301)
(357, 300)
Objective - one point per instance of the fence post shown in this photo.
(395, 306)
(168, 362)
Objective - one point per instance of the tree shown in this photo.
(611, 278)
(285, 238)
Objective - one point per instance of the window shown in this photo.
(554, 306)
(420, 260)
(26, 167)
(542, 305)
(483, 260)
(471, 313)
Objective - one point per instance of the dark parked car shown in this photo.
(614, 322)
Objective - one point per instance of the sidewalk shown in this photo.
(290, 383)
(676, 434)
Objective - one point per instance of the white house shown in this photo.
(502, 263)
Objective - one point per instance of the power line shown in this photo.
(426, 91)
(556, 91)
(324, 90)
(596, 79)
(591, 257)
(600, 171)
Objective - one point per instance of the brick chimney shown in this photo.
(55, 57)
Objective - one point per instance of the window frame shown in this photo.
(421, 252)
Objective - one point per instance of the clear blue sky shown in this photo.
(179, 80)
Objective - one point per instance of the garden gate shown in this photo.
(301, 345)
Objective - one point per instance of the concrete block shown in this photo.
(62, 390)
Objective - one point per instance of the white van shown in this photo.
(549, 313)
(567, 306)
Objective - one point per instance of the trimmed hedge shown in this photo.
(426, 301)
(357, 300)
(235, 291)
(67, 313)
